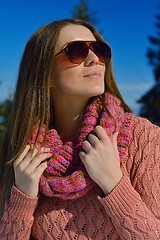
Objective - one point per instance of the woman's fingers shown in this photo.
(93, 139)
(23, 154)
(28, 169)
(31, 158)
(28, 154)
(36, 161)
(82, 155)
(40, 169)
(114, 140)
(101, 159)
(86, 146)
(101, 134)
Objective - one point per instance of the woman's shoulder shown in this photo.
(144, 129)
(144, 147)
(144, 122)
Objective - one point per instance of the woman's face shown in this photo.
(84, 80)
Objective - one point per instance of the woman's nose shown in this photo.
(92, 59)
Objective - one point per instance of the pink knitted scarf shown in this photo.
(66, 176)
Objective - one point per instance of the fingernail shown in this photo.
(47, 149)
(31, 146)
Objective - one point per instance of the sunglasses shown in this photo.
(77, 51)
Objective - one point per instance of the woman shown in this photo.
(76, 163)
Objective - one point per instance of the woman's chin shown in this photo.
(96, 92)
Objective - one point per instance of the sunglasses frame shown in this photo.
(89, 45)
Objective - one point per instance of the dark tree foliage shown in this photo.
(153, 52)
(83, 12)
(150, 102)
(5, 109)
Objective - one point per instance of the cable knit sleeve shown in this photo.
(18, 217)
(134, 204)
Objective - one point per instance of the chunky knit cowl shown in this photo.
(65, 176)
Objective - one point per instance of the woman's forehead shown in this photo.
(73, 32)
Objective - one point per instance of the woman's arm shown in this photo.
(132, 202)
(130, 215)
(18, 217)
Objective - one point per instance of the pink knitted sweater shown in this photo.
(130, 211)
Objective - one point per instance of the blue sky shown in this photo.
(126, 24)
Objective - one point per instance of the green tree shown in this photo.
(5, 109)
(151, 100)
(83, 12)
(153, 52)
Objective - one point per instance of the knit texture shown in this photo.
(65, 176)
(130, 211)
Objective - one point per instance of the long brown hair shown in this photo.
(32, 98)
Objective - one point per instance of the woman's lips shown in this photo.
(93, 75)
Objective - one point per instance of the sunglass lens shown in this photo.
(77, 52)
(102, 50)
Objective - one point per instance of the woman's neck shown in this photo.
(68, 114)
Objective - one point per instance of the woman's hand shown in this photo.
(28, 169)
(101, 159)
